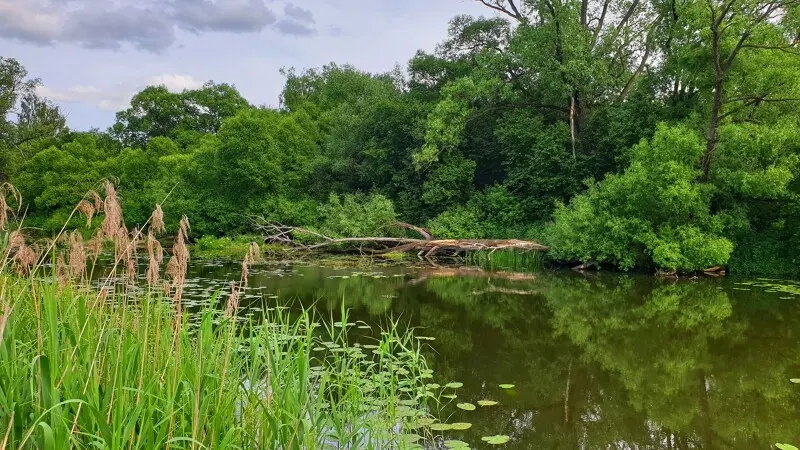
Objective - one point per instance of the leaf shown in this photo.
(461, 426)
(466, 406)
(456, 444)
(487, 402)
(441, 427)
(795, 380)
(496, 439)
(454, 385)
(506, 386)
(786, 447)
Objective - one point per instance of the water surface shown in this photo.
(599, 361)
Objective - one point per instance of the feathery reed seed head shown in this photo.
(77, 255)
(157, 220)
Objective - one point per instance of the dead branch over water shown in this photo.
(377, 245)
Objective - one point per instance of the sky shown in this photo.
(92, 56)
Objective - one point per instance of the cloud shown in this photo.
(223, 15)
(294, 28)
(118, 97)
(148, 25)
(297, 21)
(298, 13)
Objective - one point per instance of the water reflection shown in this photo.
(602, 362)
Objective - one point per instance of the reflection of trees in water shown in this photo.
(654, 365)
(607, 362)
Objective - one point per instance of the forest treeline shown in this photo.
(628, 133)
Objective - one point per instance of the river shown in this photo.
(598, 361)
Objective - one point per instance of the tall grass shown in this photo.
(506, 260)
(81, 368)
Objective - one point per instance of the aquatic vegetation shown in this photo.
(466, 406)
(506, 386)
(496, 439)
(113, 364)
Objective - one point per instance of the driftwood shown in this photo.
(427, 246)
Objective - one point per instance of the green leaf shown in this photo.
(456, 444)
(487, 402)
(454, 385)
(461, 426)
(795, 380)
(786, 447)
(507, 386)
(496, 439)
(466, 406)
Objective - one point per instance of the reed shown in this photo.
(512, 260)
(126, 368)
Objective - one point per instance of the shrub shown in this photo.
(655, 213)
(356, 215)
(492, 213)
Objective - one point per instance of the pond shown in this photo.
(596, 361)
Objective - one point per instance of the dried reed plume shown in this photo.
(7, 189)
(25, 258)
(15, 240)
(113, 220)
(77, 255)
(184, 226)
(95, 245)
(156, 256)
(245, 268)
(233, 302)
(97, 201)
(62, 274)
(157, 220)
(254, 251)
(87, 209)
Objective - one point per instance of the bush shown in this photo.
(492, 213)
(656, 213)
(356, 215)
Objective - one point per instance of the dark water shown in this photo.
(598, 361)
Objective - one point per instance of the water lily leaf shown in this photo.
(409, 439)
(506, 386)
(795, 380)
(454, 385)
(461, 426)
(432, 386)
(466, 406)
(786, 447)
(455, 444)
(441, 427)
(487, 402)
(496, 439)
(450, 396)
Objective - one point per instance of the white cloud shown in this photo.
(118, 97)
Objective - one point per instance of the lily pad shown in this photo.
(466, 406)
(786, 447)
(441, 427)
(795, 380)
(455, 444)
(450, 396)
(497, 439)
(506, 386)
(487, 402)
(461, 426)
(454, 385)
(432, 386)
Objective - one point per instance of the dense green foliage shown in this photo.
(648, 134)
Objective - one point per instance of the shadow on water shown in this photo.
(598, 362)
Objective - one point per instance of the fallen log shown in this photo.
(428, 246)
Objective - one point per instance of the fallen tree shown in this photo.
(427, 246)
